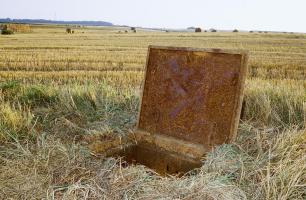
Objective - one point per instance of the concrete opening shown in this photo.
(191, 102)
(162, 161)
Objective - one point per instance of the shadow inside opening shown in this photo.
(162, 161)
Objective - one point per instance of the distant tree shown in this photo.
(198, 30)
(235, 31)
(126, 31)
(7, 32)
(191, 28)
(133, 28)
(251, 31)
(4, 27)
(212, 30)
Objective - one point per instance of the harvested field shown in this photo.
(60, 92)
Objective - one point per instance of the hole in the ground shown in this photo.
(162, 161)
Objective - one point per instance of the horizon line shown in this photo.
(177, 28)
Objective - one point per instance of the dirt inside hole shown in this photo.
(162, 161)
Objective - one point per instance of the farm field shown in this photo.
(61, 93)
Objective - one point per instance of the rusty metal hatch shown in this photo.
(191, 102)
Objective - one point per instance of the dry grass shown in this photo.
(14, 122)
(271, 55)
(275, 103)
(21, 28)
(58, 90)
(263, 165)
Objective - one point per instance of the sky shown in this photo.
(266, 15)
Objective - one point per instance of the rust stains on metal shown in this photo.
(193, 95)
(191, 102)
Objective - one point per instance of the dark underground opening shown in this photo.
(162, 161)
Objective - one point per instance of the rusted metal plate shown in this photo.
(193, 95)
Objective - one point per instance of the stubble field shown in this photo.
(60, 92)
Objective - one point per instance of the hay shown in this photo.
(19, 28)
(260, 165)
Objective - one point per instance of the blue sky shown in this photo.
(276, 15)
